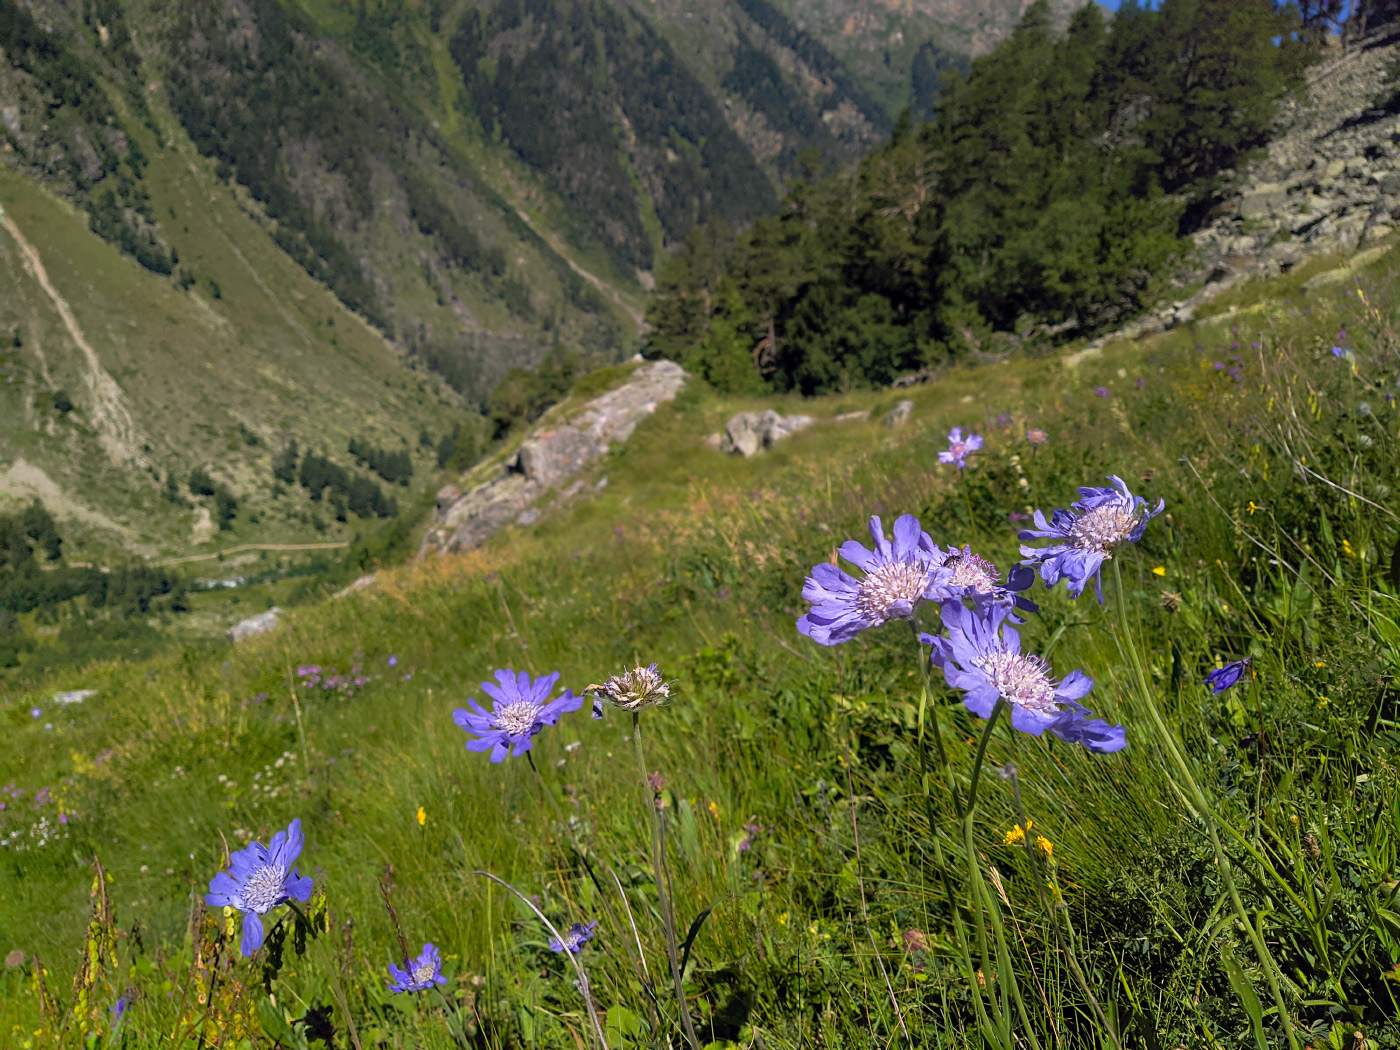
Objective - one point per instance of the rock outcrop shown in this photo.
(551, 455)
(1329, 180)
(255, 625)
(749, 433)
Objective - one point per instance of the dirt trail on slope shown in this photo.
(109, 406)
(596, 281)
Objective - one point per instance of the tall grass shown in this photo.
(843, 908)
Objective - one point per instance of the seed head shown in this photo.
(635, 690)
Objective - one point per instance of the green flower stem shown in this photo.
(658, 864)
(997, 709)
(1202, 807)
(953, 794)
(1052, 913)
(584, 988)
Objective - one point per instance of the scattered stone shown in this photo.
(749, 433)
(73, 696)
(851, 417)
(1389, 184)
(899, 415)
(255, 625)
(528, 516)
(714, 440)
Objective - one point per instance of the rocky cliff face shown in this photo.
(1330, 179)
(554, 454)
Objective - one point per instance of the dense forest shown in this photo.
(34, 579)
(1048, 196)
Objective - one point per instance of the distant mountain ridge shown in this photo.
(479, 180)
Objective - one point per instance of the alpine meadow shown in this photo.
(591, 525)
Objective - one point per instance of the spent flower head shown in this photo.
(981, 656)
(633, 690)
(1088, 534)
(520, 708)
(260, 878)
(420, 974)
(897, 576)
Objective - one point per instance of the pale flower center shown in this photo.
(264, 889)
(892, 582)
(519, 718)
(1021, 679)
(974, 571)
(1104, 528)
(423, 973)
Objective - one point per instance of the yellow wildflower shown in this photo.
(1017, 834)
(1252, 508)
(714, 810)
(1160, 570)
(1044, 845)
(422, 816)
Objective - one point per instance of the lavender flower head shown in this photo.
(959, 448)
(959, 574)
(1228, 676)
(260, 878)
(981, 655)
(633, 690)
(1036, 436)
(519, 709)
(1088, 533)
(578, 935)
(420, 974)
(897, 576)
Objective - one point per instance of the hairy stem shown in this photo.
(658, 863)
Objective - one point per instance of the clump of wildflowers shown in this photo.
(1089, 533)
(420, 974)
(981, 656)
(959, 448)
(573, 941)
(260, 878)
(897, 576)
(633, 690)
(520, 708)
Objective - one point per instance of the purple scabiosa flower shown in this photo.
(1340, 351)
(36, 712)
(1219, 366)
(959, 448)
(1089, 532)
(118, 1010)
(1141, 383)
(1036, 436)
(1101, 391)
(420, 974)
(393, 661)
(897, 577)
(520, 709)
(959, 574)
(579, 934)
(981, 655)
(1228, 676)
(260, 878)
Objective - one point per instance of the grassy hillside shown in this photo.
(161, 380)
(793, 798)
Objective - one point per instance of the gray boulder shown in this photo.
(899, 415)
(749, 433)
(255, 625)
